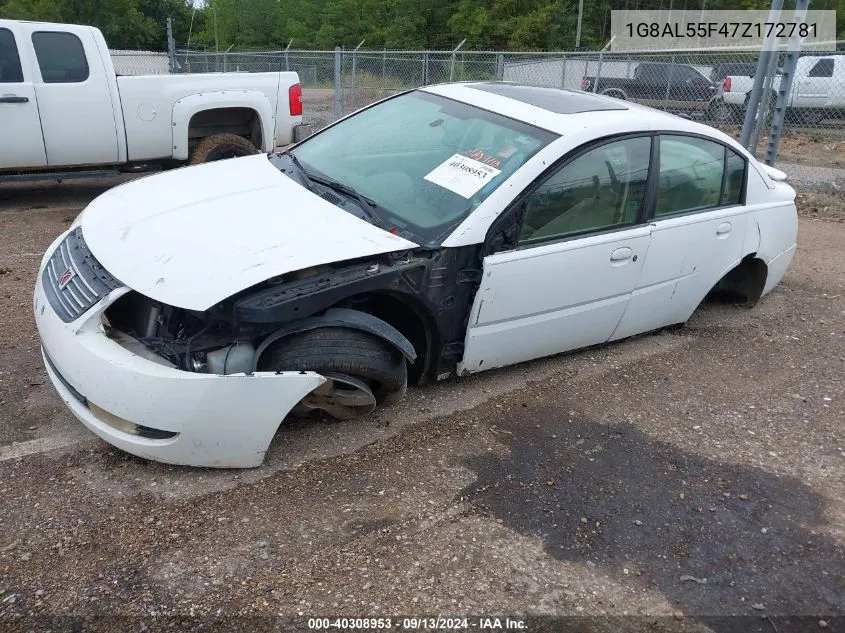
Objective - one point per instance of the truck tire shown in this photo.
(616, 94)
(221, 147)
(364, 370)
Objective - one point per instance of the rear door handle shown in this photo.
(13, 99)
(723, 229)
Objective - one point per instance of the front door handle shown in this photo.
(13, 99)
(723, 229)
(620, 255)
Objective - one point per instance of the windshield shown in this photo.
(424, 160)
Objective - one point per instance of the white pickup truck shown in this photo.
(818, 89)
(62, 107)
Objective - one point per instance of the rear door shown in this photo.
(73, 96)
(698, 231)
(22, 143)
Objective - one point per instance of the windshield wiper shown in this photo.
(306, 178)
(368, 206)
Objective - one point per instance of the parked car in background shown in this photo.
(447, 230)
(678, 87)
(817, 93)
(63, 107)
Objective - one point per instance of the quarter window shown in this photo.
(734, 179)
(691, 174)
(823, 68)
(10, 62)
(61, 57)
(600, 189)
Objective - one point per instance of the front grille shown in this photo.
(74, 280)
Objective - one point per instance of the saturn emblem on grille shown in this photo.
(64, 280)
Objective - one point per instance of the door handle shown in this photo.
(723, 229)
(13, 99)
(620, 255)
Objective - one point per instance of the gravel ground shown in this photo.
(662, 483)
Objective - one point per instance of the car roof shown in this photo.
(559, 100)
(561, 111)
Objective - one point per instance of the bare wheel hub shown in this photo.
(342, 396)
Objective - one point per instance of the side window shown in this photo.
(691, 171)
(10, 62)
(734, 179)
(61, 57)
(823, 68)
(600, 189)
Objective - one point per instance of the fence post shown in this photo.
(765, 103)
(669, 83)
(354, 50)
(171, 47)
(759, 78)
(338, 82)
(785, 86)
(287, 48)
(452, 66)
(601, 55)
(500, 67)
(425, 68)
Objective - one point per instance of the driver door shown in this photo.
(567, 280)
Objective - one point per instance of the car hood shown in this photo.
(192, 237)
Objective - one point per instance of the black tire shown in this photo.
(342, 351)
(721, 112)
(616, 94)
(221, 147)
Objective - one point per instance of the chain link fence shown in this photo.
(711, 86)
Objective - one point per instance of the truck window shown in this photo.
(10, 62)
(823, 68)
(61, 57)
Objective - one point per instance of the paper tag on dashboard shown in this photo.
(463, 175)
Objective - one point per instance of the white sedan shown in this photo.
(446, 230)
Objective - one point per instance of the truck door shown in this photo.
(21, 141)
(73, 96)
(814, 84)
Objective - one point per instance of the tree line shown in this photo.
(393, 24)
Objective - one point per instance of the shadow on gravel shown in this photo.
(715, 539)
(40, 194)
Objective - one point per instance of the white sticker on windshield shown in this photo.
(463, 175)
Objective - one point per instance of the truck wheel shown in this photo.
(220, 147)
(362, 370)
(616, 94)
(721, 112)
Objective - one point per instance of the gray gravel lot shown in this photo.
(694, 472)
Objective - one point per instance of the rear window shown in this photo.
(61, 57)
(10, 63)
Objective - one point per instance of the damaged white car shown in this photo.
(446, 230)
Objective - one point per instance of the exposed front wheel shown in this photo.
(220, 147)
(361, 370)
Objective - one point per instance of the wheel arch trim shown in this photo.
(343, 317)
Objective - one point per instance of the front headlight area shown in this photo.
(202, 342)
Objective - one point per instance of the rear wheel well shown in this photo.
(744, 283)
(412, 321)
(244, 122)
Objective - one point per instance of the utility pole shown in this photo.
(578, 29)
